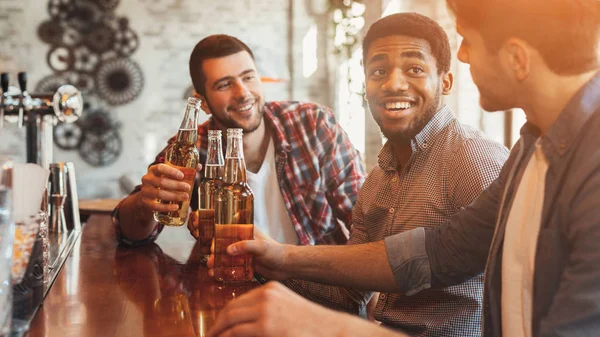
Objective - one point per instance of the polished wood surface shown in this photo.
(156, 290)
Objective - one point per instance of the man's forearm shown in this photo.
(354, 326)
(137, 222)
(362, 266)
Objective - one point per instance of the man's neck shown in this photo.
(545, 102)
(255, 147)
(402, 151)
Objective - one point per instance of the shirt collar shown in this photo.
(565, 129)
(422, 141)
(282, 143)
(428, 135)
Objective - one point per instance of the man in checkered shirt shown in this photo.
(430, 167)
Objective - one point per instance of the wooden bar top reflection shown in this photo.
(156, 290)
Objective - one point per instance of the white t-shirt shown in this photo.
(520, 243)
(270, 214)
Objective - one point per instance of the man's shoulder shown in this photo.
(296, 117)
(297, 109)
(467, 140)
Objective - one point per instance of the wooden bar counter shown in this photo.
(156, 290)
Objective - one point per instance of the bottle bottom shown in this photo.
(169, 220)
(232, 269)
(234, 274)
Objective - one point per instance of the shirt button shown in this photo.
(394, 179)
(382, 297)
(424, 145)
(392, 210)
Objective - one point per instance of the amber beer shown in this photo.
(209, 185)
(183, 155)
(234, 215)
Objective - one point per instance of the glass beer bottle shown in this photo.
(234, 215)
(210, 183)
(183, 155)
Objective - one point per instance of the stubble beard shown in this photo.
(417, 124)
(232, 123)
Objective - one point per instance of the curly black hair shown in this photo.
(414, 25)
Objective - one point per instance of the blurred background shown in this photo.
(130, 59)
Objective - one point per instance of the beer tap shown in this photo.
(32, 120)
(25, 98)
(4, 84)
(39, 112)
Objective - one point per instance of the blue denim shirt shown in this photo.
(566, 291)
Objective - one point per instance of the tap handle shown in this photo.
(22, 81)
(4, 80)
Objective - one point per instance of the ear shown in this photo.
(447, 82)
(203, 105)
(518, 57)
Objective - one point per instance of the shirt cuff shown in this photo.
(124, 240)
(408, 260)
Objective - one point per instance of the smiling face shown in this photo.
(403, 87)
(234, 93)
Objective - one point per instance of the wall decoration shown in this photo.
(67, 136)
(90, 48)
(101, 143)
(119, 80)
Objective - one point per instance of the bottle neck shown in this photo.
(214, 152)
(235, 166)
(188, 131)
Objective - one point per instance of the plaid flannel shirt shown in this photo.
(318, 169)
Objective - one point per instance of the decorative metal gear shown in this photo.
(107, 5)
(119, 81)
(71, 37)
(83, 81)
(91, 102)
(101, 39)
(126, 42)
(85, 60)
(49, 84)
(51, 32)
(98, 122)
(59, 9)
(60, 59)
(68, 136)
(83, 16)
(101, 149)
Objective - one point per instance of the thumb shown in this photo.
(254, 247)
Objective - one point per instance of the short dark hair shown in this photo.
(564, 32)
(213, 46)
(414, 25)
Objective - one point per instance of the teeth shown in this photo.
(398, 105)
(245, 107)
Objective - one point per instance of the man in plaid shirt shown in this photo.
(295, 148)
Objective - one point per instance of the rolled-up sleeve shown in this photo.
(407, 256)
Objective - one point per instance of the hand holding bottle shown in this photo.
(182, 155)
(164, 182)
